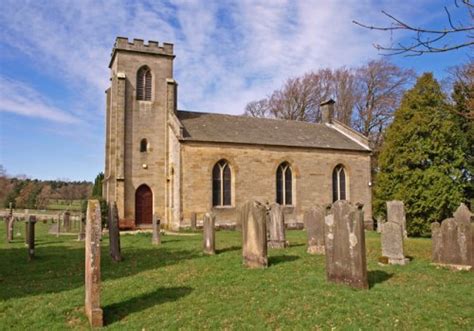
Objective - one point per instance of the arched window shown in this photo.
(284, 183)
(144, 84)
(221, 184)
(338, 183)
(143, 145)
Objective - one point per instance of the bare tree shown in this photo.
(379, 88)
(258, 108)
(462, 78)
(427, 40)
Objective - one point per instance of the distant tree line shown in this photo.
(29, 193)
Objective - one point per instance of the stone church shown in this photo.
(171, 163)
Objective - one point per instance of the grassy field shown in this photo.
(174, 286)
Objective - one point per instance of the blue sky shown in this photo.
(54, 57)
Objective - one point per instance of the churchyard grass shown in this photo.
(175, 285)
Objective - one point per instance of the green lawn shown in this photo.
(174, 286)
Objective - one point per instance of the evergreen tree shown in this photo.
(422, 160)
(97, 188)
(462, 96)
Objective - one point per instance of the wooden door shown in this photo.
(143, 205)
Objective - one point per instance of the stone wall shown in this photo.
(254, 177)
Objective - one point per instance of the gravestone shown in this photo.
(67, 222)
(396, 214)
(380, 223)
(276, 227)
(82, 225)
(114, 233)
(314, 223)
(452, 241)
(11, 228)
(209, 234)
(254, 234)
(345, 245)
(193, 221)
(92, 270)
(156, 237)
(26, 229)
(31, 237)
(58, 228)
(392, 243)
(7, 228)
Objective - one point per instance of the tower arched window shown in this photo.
(144, 84)
(221, 184)
(144, 145)
(284, 184)
(338, 183)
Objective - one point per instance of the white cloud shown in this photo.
(19, 98)
(228, 53)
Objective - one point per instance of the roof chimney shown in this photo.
(327, 111)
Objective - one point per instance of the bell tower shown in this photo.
(141, 96)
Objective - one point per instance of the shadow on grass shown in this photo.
(296, 245)
(61, 268)
(377, 276)
(117, 311)
(228, 249)
(273, 260)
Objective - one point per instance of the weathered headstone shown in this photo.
(31, 237)
(314, 224)
(193, 221)
(82, 228)
(114, 233)
(392, 243)
(11, 228)
(345, 245)
(208, 233)
(92, 270)
(380, 223)
(453, 241)
(254, 234)
(276, 227)
(67, 222)
(7, 228)
(396, 214)
(156, 237)
(58, 228)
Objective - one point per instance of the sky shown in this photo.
(54, 59)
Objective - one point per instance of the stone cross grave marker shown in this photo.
(276, 227)
(114, 233)
(253, 216)
(92, 270)
(209, 234)
(314, 223)
(345, 245)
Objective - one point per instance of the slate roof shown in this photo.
(211, 127)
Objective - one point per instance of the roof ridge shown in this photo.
(251, 117)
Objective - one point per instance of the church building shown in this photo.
(172, 163)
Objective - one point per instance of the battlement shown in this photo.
(139, 45)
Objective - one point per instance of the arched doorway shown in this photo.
(143, 205)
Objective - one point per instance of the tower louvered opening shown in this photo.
(144, 84)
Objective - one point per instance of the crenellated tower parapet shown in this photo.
(139, 45)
